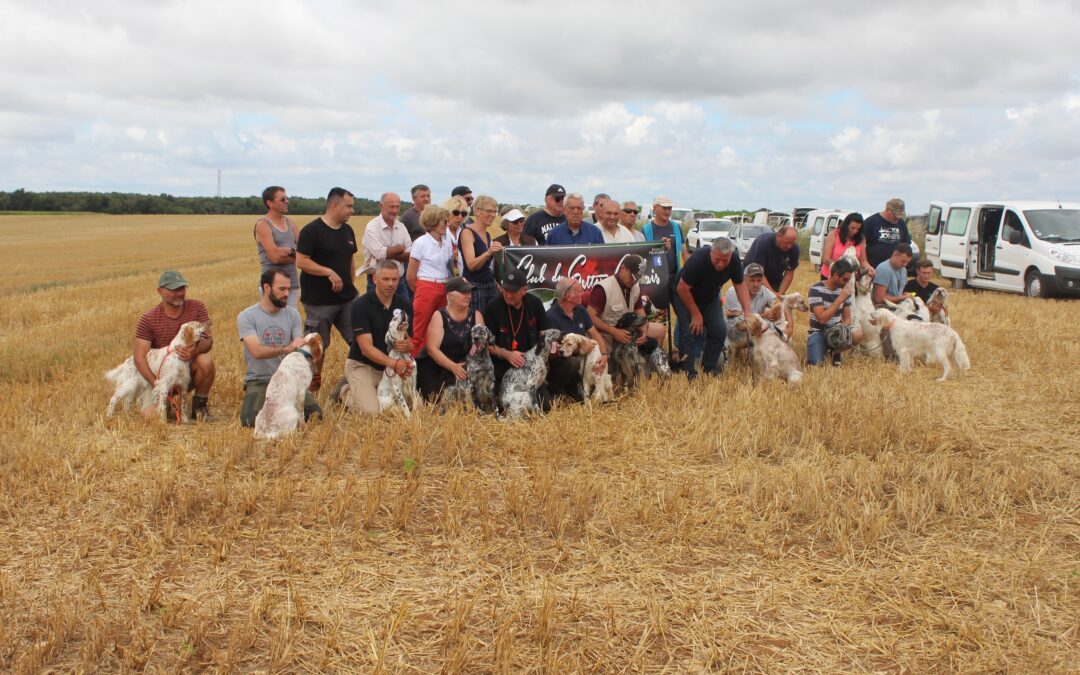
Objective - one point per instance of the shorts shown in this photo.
(321, 318)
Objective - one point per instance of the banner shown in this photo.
(545, 265)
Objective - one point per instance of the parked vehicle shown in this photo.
(705, 230)
(1023, 246)
(744, 234)
(824, 221)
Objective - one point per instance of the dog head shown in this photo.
(399, 327)
(796, 301)
(864, 283)
(882, 318)
(572, 343)
(549, 341)
(647, 305)
(938, 299)
(313, 346)
(481, 338)
(630, 320)
(189, 334)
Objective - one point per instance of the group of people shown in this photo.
(435, 264)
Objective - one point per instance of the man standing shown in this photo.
(269, 330)
(275, 239)
(515, 319)
(574, 231)
(386, 238)
(778, 255)
(612, 231)
(618, 294)
(890, 277)
(628, 219)
(697, 303)
(324, 254)
(421, 197)
(157, 328)
(660, 228)
(538, 224)
(369, 354)
(883, 231)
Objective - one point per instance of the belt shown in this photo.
(434, 281)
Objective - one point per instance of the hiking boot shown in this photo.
(200, 409)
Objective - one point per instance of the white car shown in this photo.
(744, 234)
(705, 230)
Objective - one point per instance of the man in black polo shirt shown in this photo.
(698, 306)
(516, 319)
(371, 315)
(778, 254)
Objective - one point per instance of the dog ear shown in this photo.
(742, 325)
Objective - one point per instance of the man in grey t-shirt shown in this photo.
(890, 277)
(269, 330)
(760, 299)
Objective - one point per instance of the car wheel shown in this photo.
(1035, 286)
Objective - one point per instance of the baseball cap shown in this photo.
(663, 200)
(753, 270)
(512, 215)
(460, 191)
(458, 285)
(514, 280)
(633, 263)
(896, 205)
(555, 189)
(172, 280)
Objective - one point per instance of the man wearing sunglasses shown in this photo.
(628, 219)
(546, 219)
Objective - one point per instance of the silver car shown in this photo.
(744, 234)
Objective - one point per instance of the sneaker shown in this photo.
(836, 358)
(200, 409)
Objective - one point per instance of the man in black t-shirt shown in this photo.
(543, 221)
(778, 255)
(324, 256)
(368, 356)
(516, 319)
(883, 231)
(698, 306)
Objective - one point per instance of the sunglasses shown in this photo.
(633, 211)
(558, 198)
(455, 212)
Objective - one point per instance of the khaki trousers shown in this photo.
(363, 382)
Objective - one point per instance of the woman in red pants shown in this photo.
(429, 267)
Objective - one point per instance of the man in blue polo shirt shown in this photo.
(575, 232)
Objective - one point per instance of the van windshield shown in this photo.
(1055, 224)
(679, 215)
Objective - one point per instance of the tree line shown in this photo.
(131, 203)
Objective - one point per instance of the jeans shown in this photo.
(817, 348)
(712, 338)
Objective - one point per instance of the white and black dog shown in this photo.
(479, 388)
(627, 361)
(394, 389)
(517, 392)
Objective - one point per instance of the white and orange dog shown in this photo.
(773, 356)
(595, 387)
(172, 373)
(911, 339)
(283, 408)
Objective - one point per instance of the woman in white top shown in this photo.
(430, 263)
(459, 211)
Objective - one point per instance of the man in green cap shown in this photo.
(159, 326)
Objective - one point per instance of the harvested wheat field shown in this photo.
(857, 522)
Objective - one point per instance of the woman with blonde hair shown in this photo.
(429, 269)
(459, 211)
(478, 251)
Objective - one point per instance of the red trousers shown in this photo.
(429, 298)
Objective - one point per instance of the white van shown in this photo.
(1023, 247)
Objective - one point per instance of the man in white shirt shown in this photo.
(613, 232)
(386, 238)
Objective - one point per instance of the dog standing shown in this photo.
(517, 392)
(479, 388)
(398, 390)
(629, 365)
(594, 387)
(283, 407)
(916, 338)
(171, 373)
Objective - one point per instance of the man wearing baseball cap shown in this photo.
(760, 299)
(546, 219)
(883, 231)
(157, 328)
(515, 319)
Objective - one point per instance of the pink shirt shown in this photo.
(838, 251)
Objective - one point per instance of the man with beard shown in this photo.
(269, 330)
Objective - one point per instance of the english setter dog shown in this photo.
(773, 355)
(171, 372)
(937, 306)
(394, 389)
(595, 387)
(911, 339)
(657, 363)
(862, 309)
(479, 388)
(517, 392)
(626, 358)
(283, 407)
(787, 305)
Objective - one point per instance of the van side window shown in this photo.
(933, 220)
(1011, 224)
(832, 224)
(958, 220)
(817, 224)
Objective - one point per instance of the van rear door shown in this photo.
(934, 222)
(953, 251)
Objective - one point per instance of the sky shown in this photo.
(719, 105)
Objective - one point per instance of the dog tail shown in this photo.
(114, 374)
(960, 354)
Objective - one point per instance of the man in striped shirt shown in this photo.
(159, 326)
(830, 316)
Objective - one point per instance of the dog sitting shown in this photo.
(629, 365)
(171, 372)
(479, 388)
(911, 339)
(283, 407)
(517, 392)
(398, 390)
(773, 356)
(937, 306)
(594, 387)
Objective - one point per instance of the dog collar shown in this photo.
(307, 354)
